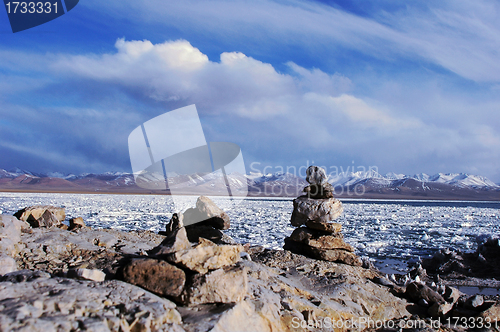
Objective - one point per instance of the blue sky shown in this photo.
(407, 87)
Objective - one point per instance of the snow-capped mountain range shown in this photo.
(462, 180)
(348, 184)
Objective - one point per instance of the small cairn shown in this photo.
(206, 220)
(317, 236)
(188, 267)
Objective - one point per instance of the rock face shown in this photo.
(273, 291)
(320, 238)
(71, 305)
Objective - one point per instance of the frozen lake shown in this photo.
(389, 232)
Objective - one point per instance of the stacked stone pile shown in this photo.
(193, 273)
(317, 236)
(206, 220)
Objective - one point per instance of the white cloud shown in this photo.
(176, 70)
(361, 113)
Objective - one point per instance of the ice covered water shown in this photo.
(387, 231)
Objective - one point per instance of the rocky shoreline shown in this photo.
(56, 274)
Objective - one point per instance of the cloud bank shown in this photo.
(458, 35)
(81, 108)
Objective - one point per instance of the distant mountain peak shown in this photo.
(416, 186)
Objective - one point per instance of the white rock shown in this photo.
(87, 274)
(7, 264)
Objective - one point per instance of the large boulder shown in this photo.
(156, 276)
(46, 220)
(37, 211)
(206, 256)
(317, 210)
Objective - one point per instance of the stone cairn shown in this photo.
(317, 236)
(206, 220)
(194, 264)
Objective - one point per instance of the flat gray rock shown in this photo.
(59, 304)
